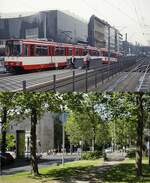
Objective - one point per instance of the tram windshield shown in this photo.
(13, 48)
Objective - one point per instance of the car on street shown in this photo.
(6, 159)
(109, 150)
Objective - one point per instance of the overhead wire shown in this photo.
(95, 10)
(137, 17)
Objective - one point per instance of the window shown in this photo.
(85, 52)
(94, 53)
(77, 52)
(80, 52)
(13, 48)
(69, 51)
(59, 51)
(25, 47)
(41, 51)
(105, 54)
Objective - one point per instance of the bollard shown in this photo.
(73, 83)
(108, 71)
(95, 79)
(24, 86)
(54, 83)
(102, 78)
(86, 81)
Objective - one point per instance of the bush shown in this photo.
(131, 153)
(91, 155)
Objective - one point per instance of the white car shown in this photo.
(109, 150)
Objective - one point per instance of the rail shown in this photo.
(140, 88)
(84, 81)
(80, 80)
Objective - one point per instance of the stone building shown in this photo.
(99, 32)
(45, 132)
(51, 25)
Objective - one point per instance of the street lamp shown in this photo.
(63, 138)
(63, 119)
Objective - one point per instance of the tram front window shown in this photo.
(13, 48)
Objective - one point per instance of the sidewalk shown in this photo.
(24, 165)
(92, 175)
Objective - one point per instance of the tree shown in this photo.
(84, 122)
(33, 105)
(7, 111)
(139, 128)
(131, 106)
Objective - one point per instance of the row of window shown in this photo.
(33, 50)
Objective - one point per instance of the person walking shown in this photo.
(73, 59)
(87, 60)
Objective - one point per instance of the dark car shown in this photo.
(6, 159)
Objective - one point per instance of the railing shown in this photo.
(81, 82)
(2, 68)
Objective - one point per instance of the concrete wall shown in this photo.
(45, 24)
(45, 131)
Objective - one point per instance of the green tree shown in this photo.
(33, 105)
(85, 121)
(7, 111)
(131, 106)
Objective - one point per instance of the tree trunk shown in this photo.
(4, 121)
(34, 162)
(149, 153)
(93, 145)
(93, 140)
(139, 128)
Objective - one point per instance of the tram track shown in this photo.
(129, 80)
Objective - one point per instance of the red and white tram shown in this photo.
(33, 55)
(105, 56)
(26, 55)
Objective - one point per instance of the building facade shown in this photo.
(45, 132)
(99, 32)
(51, 25)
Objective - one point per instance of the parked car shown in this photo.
(109, 150)
(6, 158)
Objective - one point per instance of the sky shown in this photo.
(129, 16)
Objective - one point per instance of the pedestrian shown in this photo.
(73, 59)
(87, 60)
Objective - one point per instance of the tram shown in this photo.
(105, 56)
(29, 55)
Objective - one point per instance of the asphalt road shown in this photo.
(24, 166)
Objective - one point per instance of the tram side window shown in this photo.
(41, 51)
(25, 50)
(85, 52)
(80, 52)
(59, 51)
(94, 53)
(70, 52)
(77, 52)
(105, 54)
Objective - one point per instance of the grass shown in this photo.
(51, 174)
(91, 171)
(125, 173)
